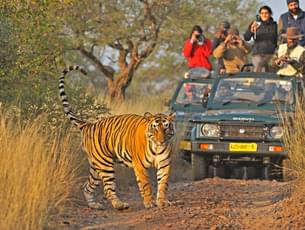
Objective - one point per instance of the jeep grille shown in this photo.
(245, 131)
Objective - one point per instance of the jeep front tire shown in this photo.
(199, 167)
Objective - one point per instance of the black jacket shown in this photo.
(265, 40)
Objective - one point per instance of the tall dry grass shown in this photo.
(37, 173)
(294, 140)
(139, 104)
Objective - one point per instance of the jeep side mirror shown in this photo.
(205, 101)
(205, 97)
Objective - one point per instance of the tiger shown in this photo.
(136, 141)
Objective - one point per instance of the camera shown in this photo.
(225, 32)
(258, 20)
(258, 23)
(200, 37)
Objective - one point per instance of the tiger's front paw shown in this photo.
(149, 204)
(163, 203)
(119, 205)
(96, 205)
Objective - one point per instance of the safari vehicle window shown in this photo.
(258, 91)
(193, 92)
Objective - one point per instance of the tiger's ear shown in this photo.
(172, 115)
(147, 116)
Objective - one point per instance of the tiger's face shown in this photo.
(161, 128)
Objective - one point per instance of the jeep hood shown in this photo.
(238, 115)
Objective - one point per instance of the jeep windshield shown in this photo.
(252, 93)
(192, 93)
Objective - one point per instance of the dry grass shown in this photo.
(141, 104)
(294, 133)
(290, 211)
(37, 174)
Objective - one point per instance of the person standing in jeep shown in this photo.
(290, 57)
(197, 49)
(264, 33)
(295, 17)
(233, 50)
(220, 36)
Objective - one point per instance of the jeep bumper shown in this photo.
(235, 148)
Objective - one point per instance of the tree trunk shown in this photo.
(116, 92)
(118, 86)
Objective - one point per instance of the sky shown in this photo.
(280, 6)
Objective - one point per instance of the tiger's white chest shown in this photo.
(159, 154)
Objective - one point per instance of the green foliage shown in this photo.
(32, 59)
(33, 29)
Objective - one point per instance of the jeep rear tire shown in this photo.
(199, 167)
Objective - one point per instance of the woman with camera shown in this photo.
(197, 49)
(263, 31)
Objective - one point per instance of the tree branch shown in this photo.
(148, 16)
(106, 71)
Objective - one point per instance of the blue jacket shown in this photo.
(286, 20)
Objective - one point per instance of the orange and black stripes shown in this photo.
(139, 142)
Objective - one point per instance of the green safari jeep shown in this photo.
(240, 134)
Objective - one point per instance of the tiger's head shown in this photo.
(160, 128)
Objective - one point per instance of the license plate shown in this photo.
(243, 147)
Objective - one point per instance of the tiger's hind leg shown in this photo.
(107, 176)
(93, 181)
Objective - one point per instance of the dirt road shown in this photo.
(209, 204)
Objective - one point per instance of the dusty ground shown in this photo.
(209, 204)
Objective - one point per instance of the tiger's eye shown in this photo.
(165, 124)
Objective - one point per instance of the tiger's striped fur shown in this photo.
(136, 141)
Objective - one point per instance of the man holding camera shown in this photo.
(233, 50)
(197, 49)
(220, 36)
(290, 57)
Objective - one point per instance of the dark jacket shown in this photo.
(265, 41)
(286, 20)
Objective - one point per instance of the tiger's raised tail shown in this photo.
(76, 121)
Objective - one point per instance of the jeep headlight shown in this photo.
(210, 130)
(276, 132)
